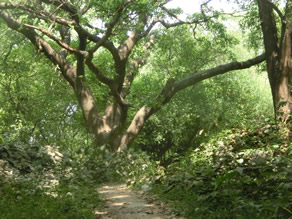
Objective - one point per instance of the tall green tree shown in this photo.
(73, 34)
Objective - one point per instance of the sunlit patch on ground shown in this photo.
(120, 196)
(97, 212)
(119, 203)
(122, 203)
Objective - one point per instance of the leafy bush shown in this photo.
(237, 174)
(38, 182)
(133, 167)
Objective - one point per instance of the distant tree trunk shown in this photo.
(279, 65)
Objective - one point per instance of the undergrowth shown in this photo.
(38, 182)
(236, 174)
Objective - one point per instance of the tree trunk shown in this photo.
(135, 127)
(106, 129)
(279, 66)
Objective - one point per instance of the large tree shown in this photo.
(278, 47)
(71, 35)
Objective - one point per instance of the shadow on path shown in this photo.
(122, 203)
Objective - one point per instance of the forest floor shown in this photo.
(123, 203)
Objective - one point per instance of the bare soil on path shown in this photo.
(123, 203)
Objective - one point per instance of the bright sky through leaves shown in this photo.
(191, 6)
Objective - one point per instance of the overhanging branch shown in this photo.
(277, 10)
(57, 40)
(221, 69)
(42, 46)
(172, 87)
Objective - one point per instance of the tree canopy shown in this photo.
(112, 40)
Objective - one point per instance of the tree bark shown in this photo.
(279, 66)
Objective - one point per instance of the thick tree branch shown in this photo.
(43, 46)
(221, 69)
(135, 127)
(135, 65)
(101, 77)
(277, 10)
(107, 44)
(86, 8)
(66, 38)
(126, 48)
(57, 40)
(80, 57)
(111, 83)
(150, 27)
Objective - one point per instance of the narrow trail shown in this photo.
(122, 203)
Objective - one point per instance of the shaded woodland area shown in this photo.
(195, 108)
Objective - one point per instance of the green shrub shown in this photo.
(237, 174)
(39, 182)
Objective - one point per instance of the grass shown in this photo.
(25, 201)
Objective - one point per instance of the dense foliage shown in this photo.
(31, 110)
(213, 150)
(238, 174)
(42, 182)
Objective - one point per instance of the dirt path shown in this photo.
(122, 203)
